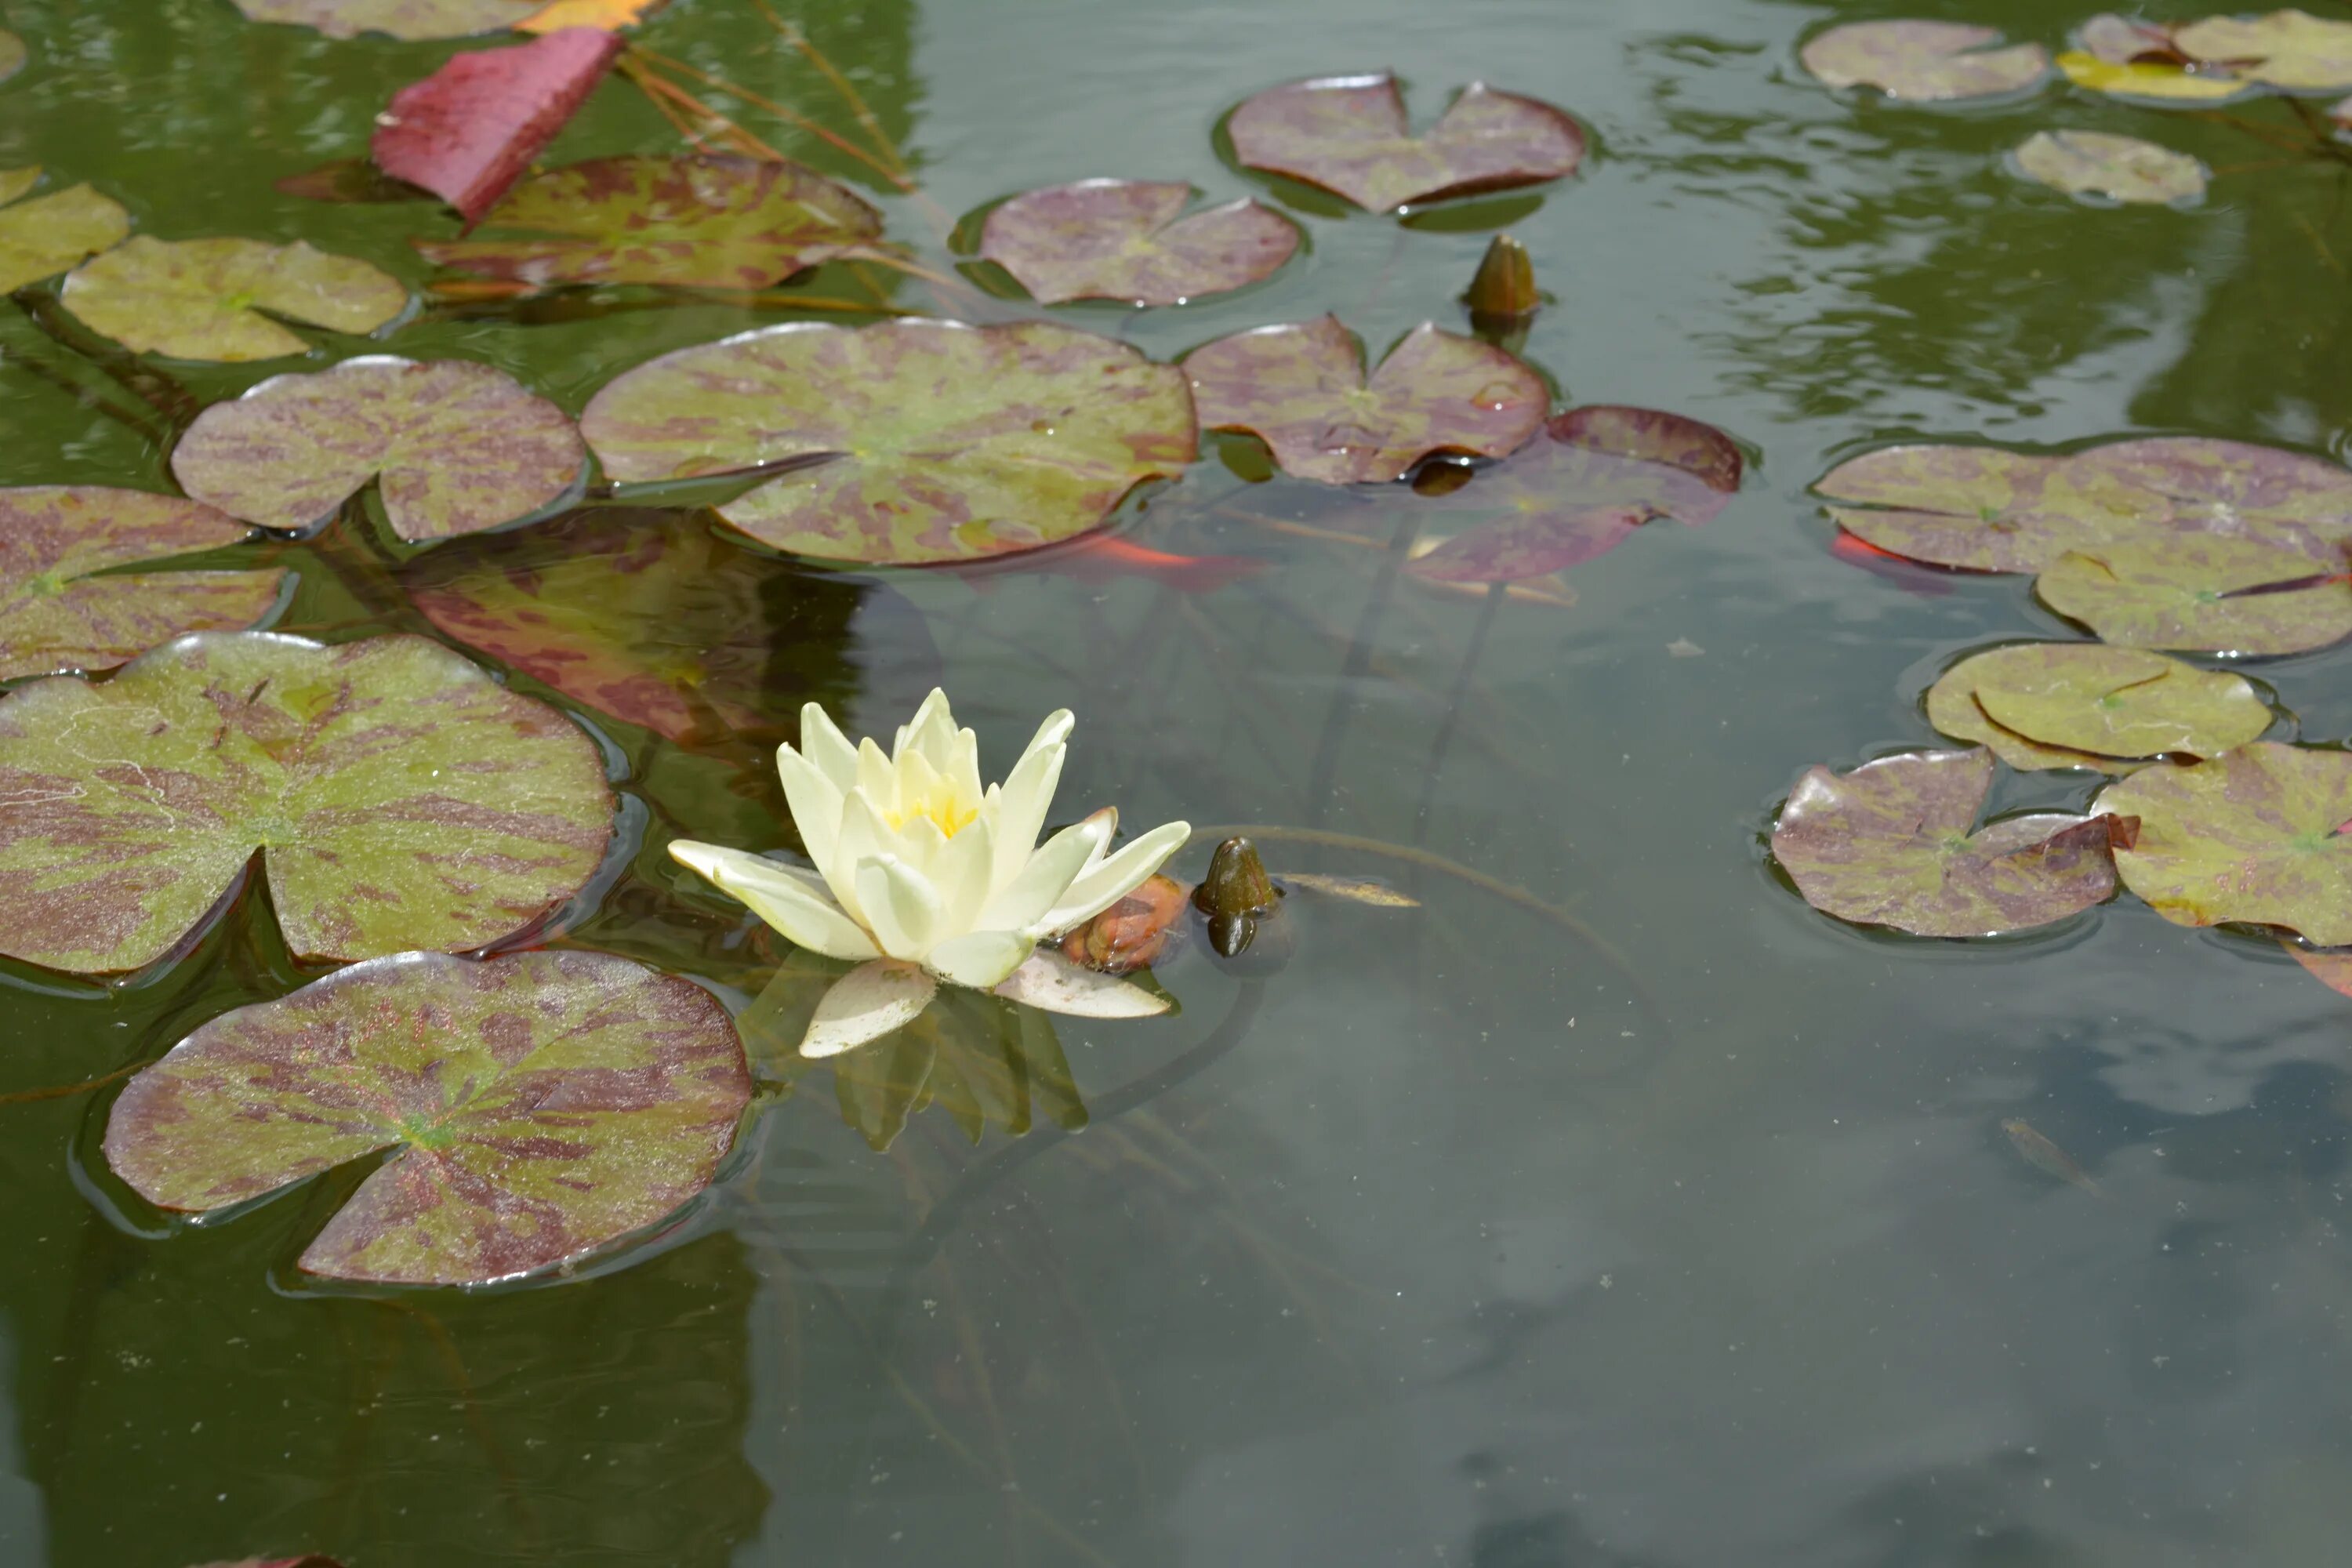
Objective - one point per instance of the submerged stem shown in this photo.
(1455, 700)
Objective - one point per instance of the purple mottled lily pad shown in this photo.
(1924, 61)
(1302, 388)
(411, 19)
(1128, 239)
(2202, 593)
(2235, 490)
(400, 798)
(57, 614)
(1889, 844)
(2253, 834)
(2121, 168)
(2088, 705)
(947, 442)
(204, 299)
(42, 237)
(1581, 490)
(1981, 508)
(2332, 967)
(455, 447)
(1350, 135)
(542, 1106)
(705, 220)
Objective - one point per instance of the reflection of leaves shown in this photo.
(707, 220)
(2252, 834)
(400, 18)
(202, 298)
(55, 616)
(543, 1105)
(2216, 595)
(950, 441)
(2122, 168)
(455, 446)
(1922, 61)
(1349, 134)
(1302, 388)
(405, 800)
(1126, 239)
(470, 130)
(1888, 843)
(42, 237)
(2060, 705)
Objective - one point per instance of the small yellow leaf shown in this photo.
(2147, 80)
(608, 16)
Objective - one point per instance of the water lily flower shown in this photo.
(927, 877)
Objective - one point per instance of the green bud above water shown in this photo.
(1236, 883)
(1505, 287)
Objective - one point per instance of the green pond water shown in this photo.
(1683, 1233)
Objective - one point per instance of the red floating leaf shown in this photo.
(470, 130)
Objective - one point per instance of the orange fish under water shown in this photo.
(2047, 1157)
(1900, 569)
(1104, 557)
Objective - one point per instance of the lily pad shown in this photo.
(1302, 388)
(1350, 135)
(470, 130)
(56, 615)
(455, 447)
(2291, 50)
(411, 19)
(2161, 80)
(542, 1106)
(42, 237)
(204, 299)
(402, 799)
(350, 182)
(1981, 509)
(1954, 711)
(1529, 545)
(2254, 834)
(947, 442)
(2332, 967)
(1923, 61)
(1126, 239)
(2114, 704)
(1888, 843)
(2207, 594)
(2122, 168)
(708, 220)
(2235, 488)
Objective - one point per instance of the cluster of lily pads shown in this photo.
(2204, 61)
(2177, 543)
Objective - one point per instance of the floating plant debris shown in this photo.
(204, 299)
(2253, 834)
(540, 1106)
(453, 446)
(1889, 844)
(1350, 135)
(707, 220)
(410, 19)
(41, 237)
(2121, 168)
(1129, 239)
(946, 442)
(470, 130)
(1302, 389)
(2210, 594)
(1923, 61)
(2087, 705)
(400, 798)
(56, 616)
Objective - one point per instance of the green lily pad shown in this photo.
(1924, 61)
(1981, 509)
(707, 220)
(1128, 239)
(204, 299)
(410, 19)
(402, 799)
(2235, 488)
(1888, 843)
(948, 442)
(2159, 81)
(1954, 711)
(1350, 135)
(1302, 388)
(2118, 703)
(2291, 50)
(2121, 168)
(42, 237)
(2206, 593)
(542, 1106)
(2253, 834)
(453, 446)
(56, 615)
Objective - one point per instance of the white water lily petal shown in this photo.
(866, 1004)
(877, 776)
(1027, 793)
(1022, 903)
(813, 800)
(779, 895)
(928, 732)
(959, 873)
(902, 908)
(963, 767)
(862, 836)
(1053, 984)
(980, 959)
(1104, 884)
(826, 748)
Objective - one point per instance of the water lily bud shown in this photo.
(1505, 287)
(1134, 932)
(1252, 946)
(1236, 883)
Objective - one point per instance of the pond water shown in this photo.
(1611, 1207)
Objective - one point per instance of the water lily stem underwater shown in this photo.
(137, 423)
(1454, 701)
(1323, 773)
(66, 1091)
(158, 391)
